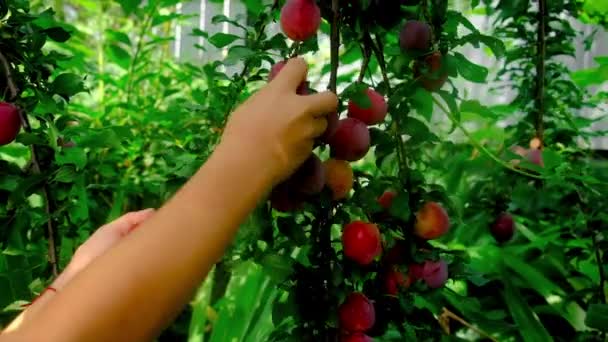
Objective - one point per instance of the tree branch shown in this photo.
(334, 46)
(378, 49)
(598, 259)
(479, 146)
(446, 315)
(12, 87)
(540, 69)
(9, 78)
(240, 77)
(379, 52)
(365, 63)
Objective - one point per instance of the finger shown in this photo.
(292, 74)
(319, 125)
(321, 104)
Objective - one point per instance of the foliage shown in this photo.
(142, 122)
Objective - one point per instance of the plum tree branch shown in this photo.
(334, 46)
(480, 146)
(9, 78)
(541, 51)
(447, 314)
(378, 49)
(241, 82)
(598, 259)
(52, 249)
(364, 63)
(596, 248)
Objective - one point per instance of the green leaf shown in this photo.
(102, 138)
(360, 98)
(75, 156)
(129, 6)
(422, 101)
(469, 70)
(598, 7)
(530, 328)
(65, 174)
(284, 309)
(58, 34)
(220, 18)
(473, 106)
(597, 317)
(400, 207)
(196, 32)
(118, 36)
(496, 45)
(30, 139)
(278, 267)
(451, 102)
(592, 76)
(237, 54)
(119, 56)
(551, 159)
(418, 131)
(68, 84)
(221, 39)
(256, 7)
(355, 91)
(457, 16)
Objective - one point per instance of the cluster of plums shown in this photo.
(349, 141)
(348, 138)
(415, 39)
(362, 244)
(300, 20)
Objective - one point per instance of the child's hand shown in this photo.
(279, 126)
(102, 240)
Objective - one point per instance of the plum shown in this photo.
(300, 19)
(362, 242)
(351, 141)
(415, 36)
(10, 123)
(430, 72)
(433, 273)
(339, 178)
(356, 313)
(372, 114)
(432, 221)
(503, 228)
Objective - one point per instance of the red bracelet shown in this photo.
(50, 288)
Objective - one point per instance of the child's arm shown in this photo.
(135, 289)
(96, 245)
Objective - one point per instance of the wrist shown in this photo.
(250, 160)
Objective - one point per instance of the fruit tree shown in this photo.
(426, 211)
